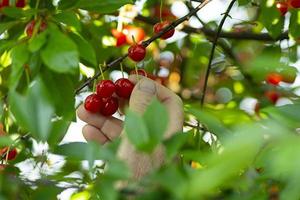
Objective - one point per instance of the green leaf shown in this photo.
(38, 41)
(33, 111)
(6, 25)
(271, 18)
(67, 4)
(17, 13)
(156, 120)
(5, 141)
(294, 24)
(60, 54)
(86, 50)
(102, 6)
(69, 18)
(210, 121)
(174, 143)
(137, 131)
(20, 56)
(243, 2)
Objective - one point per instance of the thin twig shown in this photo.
(213, 50)
(146, 43)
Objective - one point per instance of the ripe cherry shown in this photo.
(105, 88)
(282, 7)
(160, 26)
(134, 32)
(294, 3)
(110, 106)
(140, 72)
(21, 3)
(4, 3)
(273, 96)
(12, 154)
(137, 52)
(274, 78)
(30, 27)
(120, 37)
(124, 88)
(93, 103)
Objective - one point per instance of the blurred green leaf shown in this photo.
(102, 6)
(38, 41)
(294, 24)
(174, 143)
(68, 18)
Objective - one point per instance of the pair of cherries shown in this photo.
(19, 3)
(137, 52)
(104, 101)
(30, 27)
(283, 6)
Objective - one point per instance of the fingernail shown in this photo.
(147, 86)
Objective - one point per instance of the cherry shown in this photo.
(136, 32)
(139, 72)
(273, 96)
(110, 106)
(124, 88)
(282, 7)
(137, 52)
(294, 3)
(120, 36)
(274, 78)
(160, 26)
(105, 88)
(21, 3)
(12, 154)
(30, 27)
(93, 103)
(5, 3)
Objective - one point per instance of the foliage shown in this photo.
(224, 151)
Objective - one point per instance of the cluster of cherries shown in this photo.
(19, 3)
(105, 100)
(283, 6)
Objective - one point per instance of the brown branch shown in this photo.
(213, 50)
(146, 43)
(229, 35)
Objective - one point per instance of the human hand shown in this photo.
(104, 129)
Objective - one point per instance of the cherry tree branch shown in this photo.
(213, 50)
(245, 35)
(146, 43)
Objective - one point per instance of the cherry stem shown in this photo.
(101, 71)
(133, 39)
(137, 72)
(122, 70)
(7, 153)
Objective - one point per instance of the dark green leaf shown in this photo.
(68, 18)
(102, 6)
(60, 53)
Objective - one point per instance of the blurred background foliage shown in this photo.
(242, 144)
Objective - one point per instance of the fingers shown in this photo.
(146, 90)
(142, 95)
(109, 126)
(91, 133)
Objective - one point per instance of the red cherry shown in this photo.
(120, 36)
(93, 103)
(21, 3)
(294, 3)
(12, 154)
(137, 52)
(160, 26)
(110, 106)
(274, 78)
(5, 3)
(105, 88)
(282, 7)
(30, 27)
(124, 87)
(273, 96)
(140, 72)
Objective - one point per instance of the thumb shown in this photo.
(142, 95)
